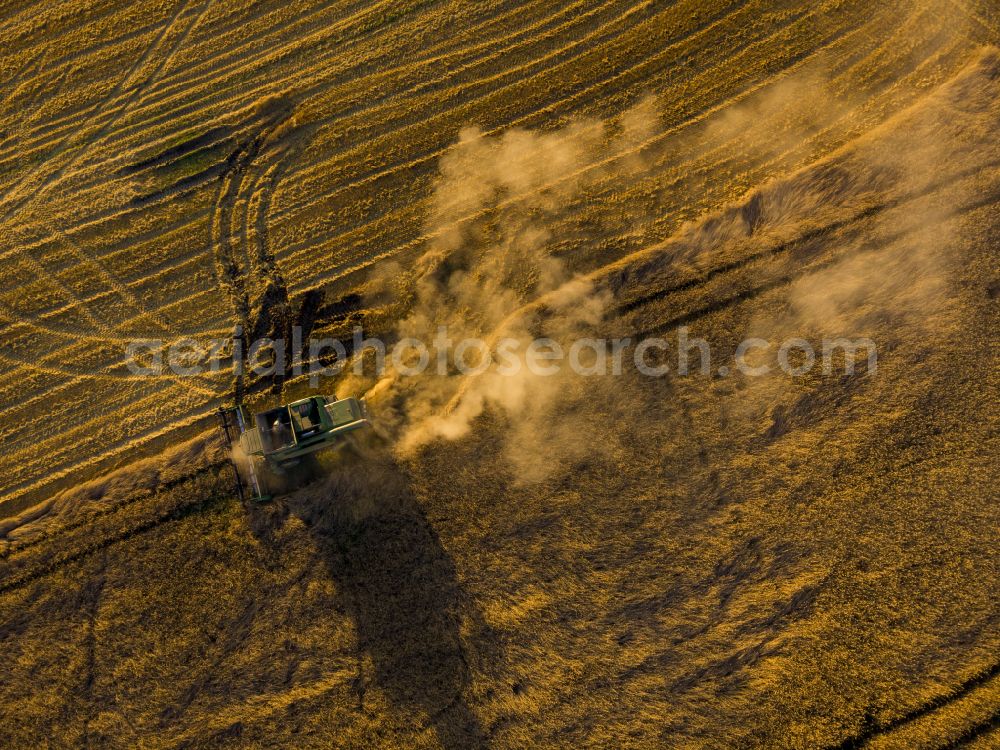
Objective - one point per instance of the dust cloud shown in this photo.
(915, 176)
(876, 214)
(494, 220)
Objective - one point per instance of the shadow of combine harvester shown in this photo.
(400, 587)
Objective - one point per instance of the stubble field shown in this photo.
(701, 561)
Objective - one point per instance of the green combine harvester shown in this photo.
(272, 448)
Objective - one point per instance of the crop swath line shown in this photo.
(974, 732)
(114, 214)
(116, 90)
(114, 10)
(407, 119)
(47, 393)
(119, 212)
(318, 87)
(37, 323)
(181, 90)
(111, 281)
(873, 730)
(686, 168)
(373, 175)
(240, 60)
(34, 324)
(429, 58)
(106, 334)
(626, 307)
(299, 248)
(64, 465)
(785, 279)
(435, 56)
(102, 331)
(216, 92)
(40, 272)
(50, 131)
(32, 10)
(188, 219)
(42, 363)
(356, 266)
(54, 177)
(66, 372)
(41, 136)
(295, 250)
(30, 66)
(141, 204)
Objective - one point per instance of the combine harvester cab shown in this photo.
(277, 439)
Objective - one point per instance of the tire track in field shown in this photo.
(32, 8)
(530, 34)
(73, 337)
(324, 83)
(63, 460)
(640, 148)
(51, 177)
(245, 268)
(115, 10)
(186, 92)
(100, 331)
(362, 110)
(247, 54)
(74, 301)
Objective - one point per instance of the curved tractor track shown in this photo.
(245, 264)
